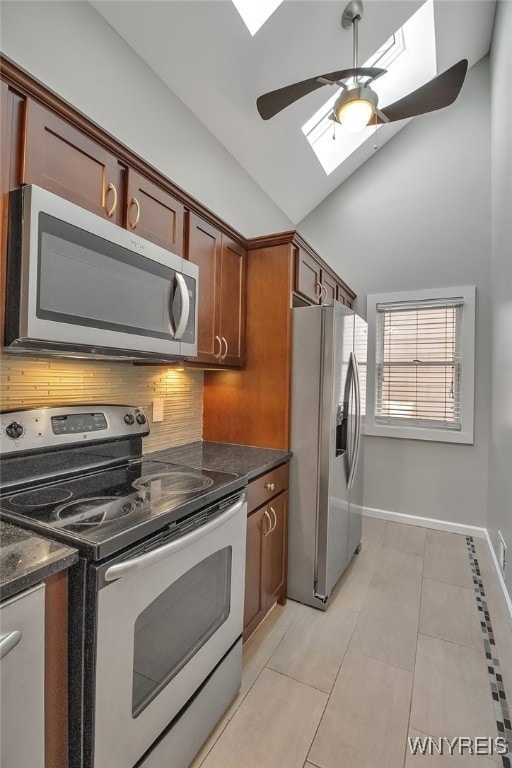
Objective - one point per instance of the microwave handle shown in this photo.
(136, 564)
(185, 307)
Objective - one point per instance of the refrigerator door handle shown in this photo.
(347, 453)
(357, 436)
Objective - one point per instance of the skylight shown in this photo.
(410, 58)
(255, 12)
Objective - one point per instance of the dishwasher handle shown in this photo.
(9, 641)
(136, 564)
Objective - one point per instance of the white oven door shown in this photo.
(165, 619)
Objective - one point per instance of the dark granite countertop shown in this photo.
(26, 558)
(245, 460)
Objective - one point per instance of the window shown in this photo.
(421, 345)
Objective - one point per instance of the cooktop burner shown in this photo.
(40, 497)
(94, 511)
(163, 484)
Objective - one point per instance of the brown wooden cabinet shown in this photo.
(252, 406)
(307, 276)
(266, 558)
(64, 160)
(222, 278)
(153, 213)
(315, 282)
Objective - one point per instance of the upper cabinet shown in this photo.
(222, 275)
(153, 213)
(64, 160)
(315, 283)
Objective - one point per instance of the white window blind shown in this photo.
(418, 363)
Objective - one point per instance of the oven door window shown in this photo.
(177, 624)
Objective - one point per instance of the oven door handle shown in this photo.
(155, 556)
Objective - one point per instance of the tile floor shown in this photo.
(399, 653)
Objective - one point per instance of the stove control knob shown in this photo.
(141, 419)
(14, 430)
(129, 418)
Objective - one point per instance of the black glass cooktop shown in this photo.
(102, 512)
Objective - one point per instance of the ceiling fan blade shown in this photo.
(440, 92)
(273, 102)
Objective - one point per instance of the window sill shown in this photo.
(420, 433)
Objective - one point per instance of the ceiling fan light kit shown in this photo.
(357, 105)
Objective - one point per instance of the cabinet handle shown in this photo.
(217, 339)
(269, 523)
(323, 293)
(110, 211)
(134, 201)
(318, 290)
(275, 518)
(223, 357)
(269, 486)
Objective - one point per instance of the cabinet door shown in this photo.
(12, 115)
(63, 160)
(277, 550)
(204, 249)
(232, 302)
(343, 296)
(153, 213)
(255, 605)
(330, 287)
(307, 276)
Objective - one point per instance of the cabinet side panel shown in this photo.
(251, 406)
(305, 410)
(56, 671)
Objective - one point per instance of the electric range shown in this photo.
(156, 599)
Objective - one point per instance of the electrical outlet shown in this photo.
(158, 409)
(502, 556)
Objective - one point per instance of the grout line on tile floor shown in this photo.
(329, 695)
(499, 699)
(415, 655)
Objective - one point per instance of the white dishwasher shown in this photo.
(22, 680)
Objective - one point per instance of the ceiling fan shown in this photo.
(357, 105)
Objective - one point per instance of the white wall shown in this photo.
(71, 49)
(500, 455)
(417, 215)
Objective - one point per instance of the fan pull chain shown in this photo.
(334, 130)
(375, 142)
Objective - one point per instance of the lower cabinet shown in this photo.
(267, 544)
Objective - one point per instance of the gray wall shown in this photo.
(500, 463)
(417, 215)
(71, 48)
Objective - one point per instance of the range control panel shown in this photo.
(36, 429)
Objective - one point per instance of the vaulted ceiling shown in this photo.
(205, 54)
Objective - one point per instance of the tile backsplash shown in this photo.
(34, 382)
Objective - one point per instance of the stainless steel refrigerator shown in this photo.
(326, 478)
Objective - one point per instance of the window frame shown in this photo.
(467, 349)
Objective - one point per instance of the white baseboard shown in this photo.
(426, 522)
(445, 525)
(497, 568)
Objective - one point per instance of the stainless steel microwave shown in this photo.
(79, 285)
